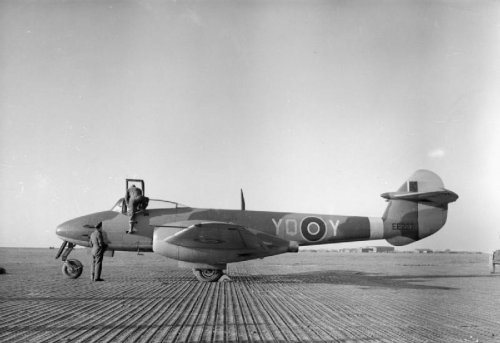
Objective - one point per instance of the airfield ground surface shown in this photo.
(309, 296)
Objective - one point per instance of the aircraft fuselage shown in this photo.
(305, 229)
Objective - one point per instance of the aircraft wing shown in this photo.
(226, 236)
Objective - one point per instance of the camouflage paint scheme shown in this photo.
(211, 238)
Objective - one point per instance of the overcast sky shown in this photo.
(309, 106)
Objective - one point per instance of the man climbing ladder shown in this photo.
(135, 201)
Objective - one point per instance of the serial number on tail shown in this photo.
(405, 226)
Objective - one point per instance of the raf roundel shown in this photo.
(313, 229)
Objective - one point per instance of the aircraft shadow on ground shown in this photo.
(354, 278)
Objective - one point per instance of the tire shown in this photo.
(207, 275)
(72, 269)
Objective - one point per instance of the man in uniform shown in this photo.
(98, 247)
(495, 259)
(134, 200)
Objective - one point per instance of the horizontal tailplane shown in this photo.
(417, 209)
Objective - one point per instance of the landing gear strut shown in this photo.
(71, 268)
(207, 275)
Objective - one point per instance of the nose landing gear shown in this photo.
(71, 268)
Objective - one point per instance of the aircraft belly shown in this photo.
(210, 256)
(121, 241)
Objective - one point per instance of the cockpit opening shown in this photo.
(121, 207)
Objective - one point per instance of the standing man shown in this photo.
(134, 199)
(495, 259)
(98, 247)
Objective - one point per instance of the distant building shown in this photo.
(368, 249)
(424, 251)
(377, 249)
(350, 250)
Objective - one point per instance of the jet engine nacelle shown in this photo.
(211, 258)
(161, 246)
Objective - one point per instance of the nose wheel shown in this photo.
(71, 268)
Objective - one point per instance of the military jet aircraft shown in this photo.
(206, 240)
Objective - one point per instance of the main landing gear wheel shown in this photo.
(72, 268)
(207, 275)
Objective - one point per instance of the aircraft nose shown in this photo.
(65, 229)
(74, 230)
(61, 230)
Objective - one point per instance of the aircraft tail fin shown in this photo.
(417, 209)
(242, 200)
